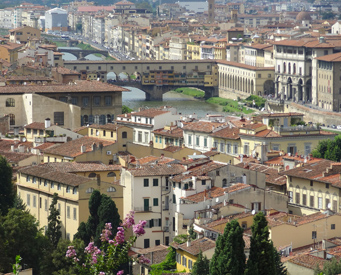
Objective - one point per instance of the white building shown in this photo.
(336, 28)
(146, 121)
(6, 18)
(56, 19)
(148, 192)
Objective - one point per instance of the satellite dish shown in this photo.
(217, 200)
(253, 212)
(329, 205)
(24, 139)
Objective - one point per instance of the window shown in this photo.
(327, 185)
(146, 182)
(99, 67)
(111, 189)
(68, 212)
(312, 201)
(52, 184)
(85, 100)
(40, 203)
(174, 199)
(332, 226)
(74, 190)
(311, 183)
(155, 182)
(10, 102)
(157, 242)
(304, 199)
(92, 175)
(107, 100)
(46, 207)
(203, 182)
(155, 202)
(111, 174)
(189, 140)
(89, 190)
(146, 243)
(45, 182)
(335, 205)
(297, 198)
(11, 119)
(59, 118)
(59, 187)
(259, 75)
(63, 98)
(184, 261)
(124, 135)
(319, 203)
(256, 206)
(222, 145)
(28, 201)
(68, 189)
(75, 213)
(197, 140)
(74, 100)
(97, 100)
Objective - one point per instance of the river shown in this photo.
(136, 98)
(184, 104)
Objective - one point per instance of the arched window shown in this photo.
(124, 135)
(86, 119)
(92, 175)
(111, 174)
(111, 189)
(10, 102)
(74, 191)
(284, 68)
(108, 118)
(68, 189)
(11, 119)
(289, 68)
(294, 68)
(89, 190)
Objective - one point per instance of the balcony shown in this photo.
(50, 139)
(143, 209)
(299, 128)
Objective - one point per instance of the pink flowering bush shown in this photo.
(113, 252)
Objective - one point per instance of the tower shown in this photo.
(211, 4)
(234, 16)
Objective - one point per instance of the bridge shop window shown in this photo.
(124, 67)
(111, 67)
(87, 67)
(99, 67)
(10, 102)
(75, 67)
(184, 67)
(147, 67)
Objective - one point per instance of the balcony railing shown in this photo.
(298, 128)
(143, 209)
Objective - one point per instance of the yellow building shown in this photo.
(37, 184)
(83, 149)
(280, 132)
(170, 135)
(187, 253)
(227, 141)
(193, 50)
(114, 132)
(9, 51)
(313, 187)
(23, 34)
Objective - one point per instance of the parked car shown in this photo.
(338, 127)
(333, 126)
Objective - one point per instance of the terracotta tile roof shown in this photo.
(282, 114)
(64, 70)
(150, 113)
(73, 148)
(203, 126)
(81, 86)
(230, 133)
(304, 42)
(336, 57)
(157, 170)
(199, 170)
(153, 159)
(108, 126)
(253, 126)
(79, 129)
(240, 122)
(216, 192)
(36, 126)
(155, 254)
(172, 149)
(44, 146)
(244, 66)
(196, 246)
(267, 134)
(15, 157)
(11, 46)
(308, 261)
(173, 132)
(51, 174)
(75, 167)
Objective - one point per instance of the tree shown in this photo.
(169, 263)
(229, 256)
(144, 5)
(201, 266)
(54, 224)
(262, 259)
(102, 210)
(7, 194)
(329, 149)
(126, 109)
(192, 233)
(19, 235)
(280, 268)
(332, 267)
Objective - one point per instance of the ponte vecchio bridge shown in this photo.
(153, 77)
(156, 77)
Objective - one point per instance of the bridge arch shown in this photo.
(70, 56)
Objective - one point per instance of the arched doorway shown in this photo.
(269, 87)
(299, 90)
(289, 89)
(308, 90)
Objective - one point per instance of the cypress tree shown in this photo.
(7, 194)
(229, 257)
(53, 228)
(201, 266)
(261, 260)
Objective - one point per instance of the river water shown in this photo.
(184, 104)
(137, 98)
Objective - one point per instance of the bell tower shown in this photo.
(211, 4)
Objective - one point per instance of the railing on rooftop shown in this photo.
(298, 128)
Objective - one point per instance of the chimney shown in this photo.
(188, 242)
(47, 123)
(12, 148)
(98, 176)
(82, 148)
(93, 146)
(162, 156)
